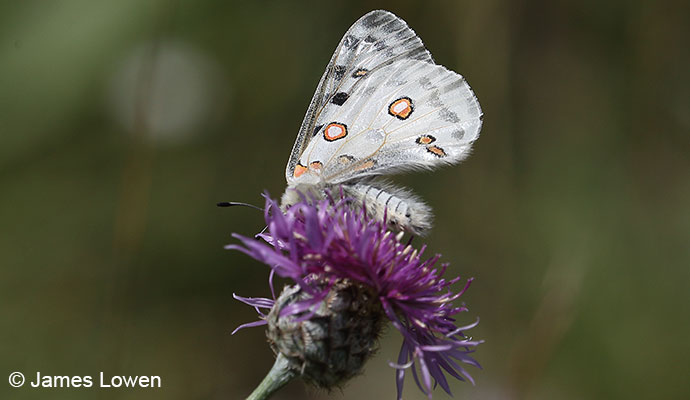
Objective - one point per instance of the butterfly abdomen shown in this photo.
(401, 210)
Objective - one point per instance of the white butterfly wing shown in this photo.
(410, 115)
(374, 42)
(383, 106)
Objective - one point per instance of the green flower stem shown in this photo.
(277, 377)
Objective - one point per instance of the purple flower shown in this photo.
(319, 243)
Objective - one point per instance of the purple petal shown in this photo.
(313, 229)
(319, 241)
(463, 328)
(438, 375)
(255, 301)
(416, 380)
(403, 356)
(270, 283)
(436, 348)
(249, 325)
(426, 375)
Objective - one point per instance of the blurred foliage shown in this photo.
(122, 123)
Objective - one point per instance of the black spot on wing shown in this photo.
(437, 151)
(425, 139)
(360, 73)
(316, 130)
(339, 98)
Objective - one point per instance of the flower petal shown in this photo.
(317, 242)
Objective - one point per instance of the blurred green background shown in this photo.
(122, 123)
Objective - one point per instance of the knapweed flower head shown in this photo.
(350, 269)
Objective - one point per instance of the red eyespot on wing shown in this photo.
(299, 170)
(334, 131)
(401, 108)
(435, 150)
(426, 139)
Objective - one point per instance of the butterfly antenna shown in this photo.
(237, 203)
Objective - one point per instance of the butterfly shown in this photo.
(383, 106)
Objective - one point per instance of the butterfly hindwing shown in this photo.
(409, 115)
(375, 42)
